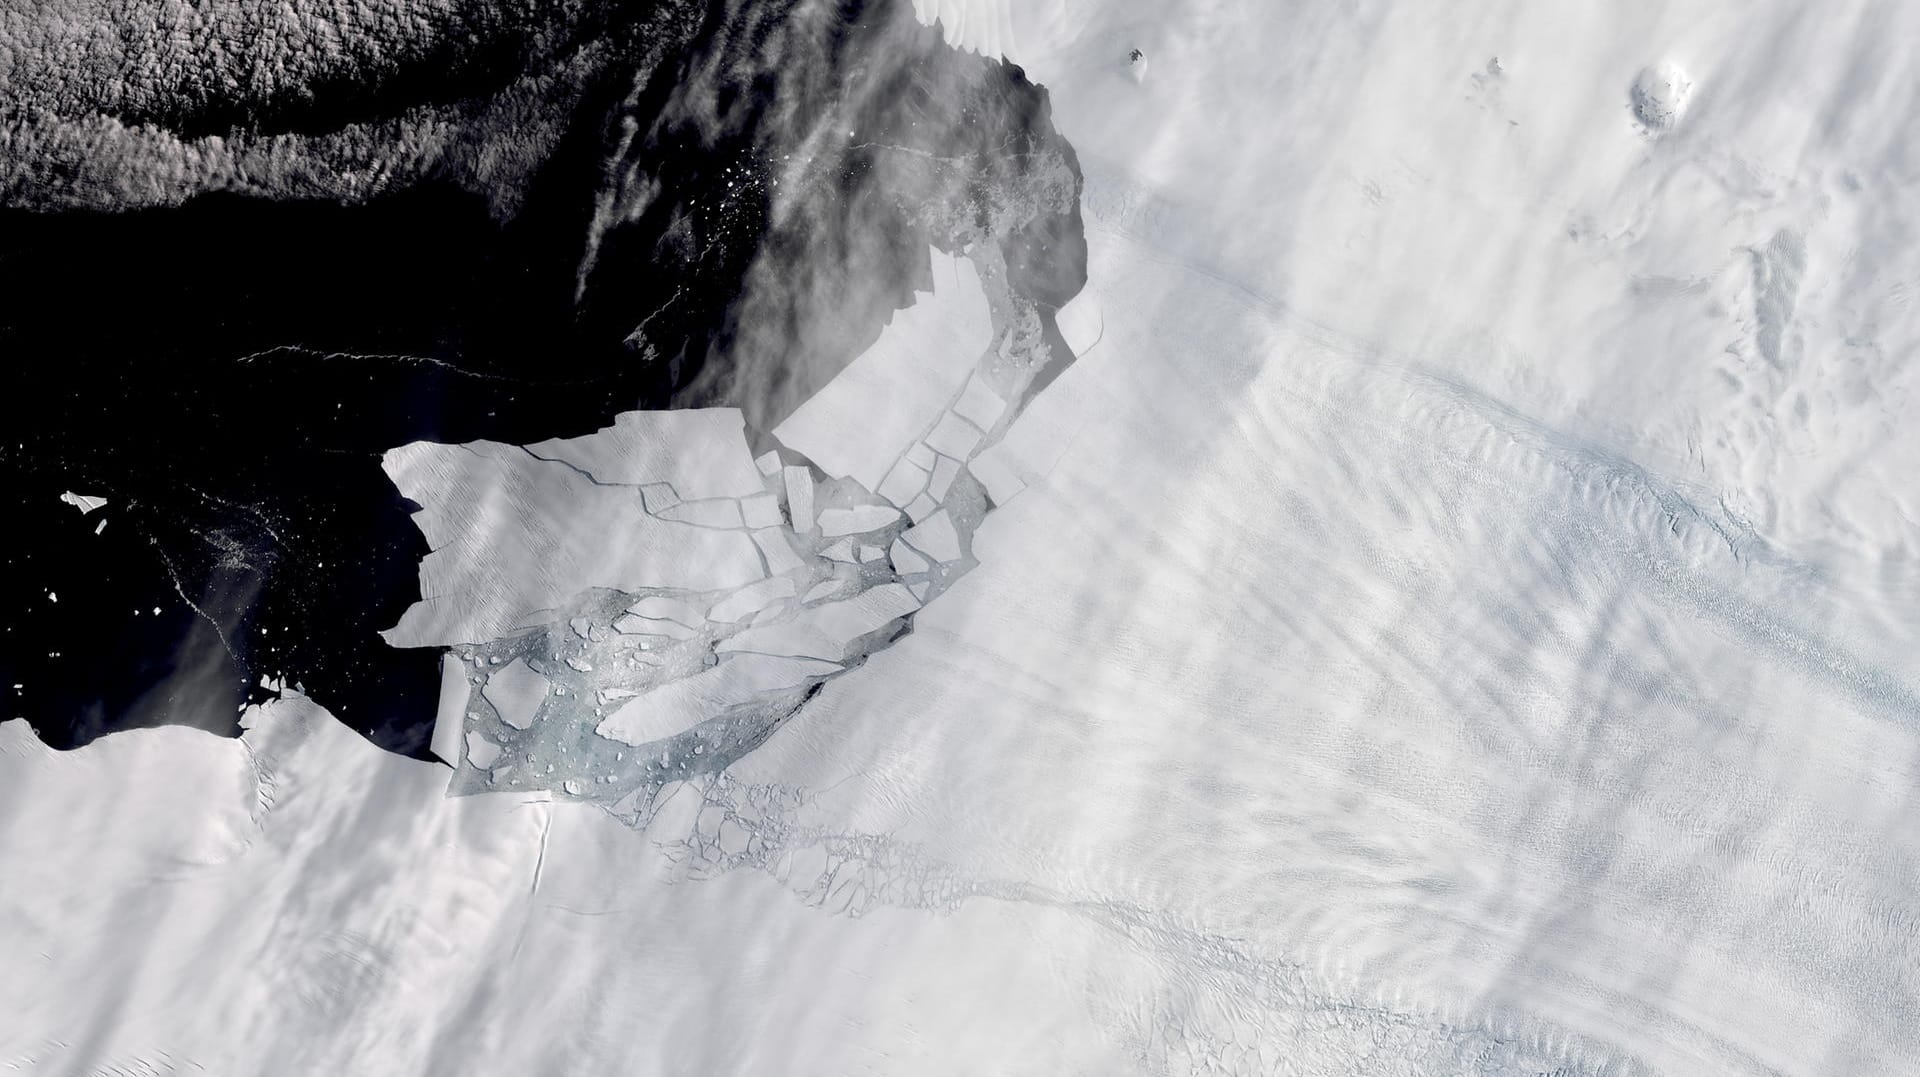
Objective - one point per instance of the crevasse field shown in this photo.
(1458, 614)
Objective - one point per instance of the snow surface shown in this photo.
(1459, 615)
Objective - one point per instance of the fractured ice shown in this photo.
(655, 586)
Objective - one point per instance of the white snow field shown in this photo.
(1460, 614)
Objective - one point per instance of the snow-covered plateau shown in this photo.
(1457, 613)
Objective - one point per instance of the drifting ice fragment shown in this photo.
(450, 714)
(980, 405)
(516, 691)
(943, 476)
(857, 519)
(906, 560)
(799, 498)
(903, 482)
(489, 512)
(777, 550)
(761, 511)
(83, 502)
(481, 752)
(936, 537)
(954, 437)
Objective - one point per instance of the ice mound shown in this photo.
(1660, 96)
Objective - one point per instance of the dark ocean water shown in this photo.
(227, 374)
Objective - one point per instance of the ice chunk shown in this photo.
(903, 482)
(768, 463)
(761, 511)
(839, 551)
(954, 437)
(936, 537)
(511, 535)
(714, 512)
(516, 690)
(920, 589)
(481, 752)
(753, 598)
(777, 550)
(678, 706)
(450, 716)
(943, 475)
(868, 415)
(99, 527)
(702, 452)
(906, 560)
(979, 404)
(871, 553)
(824, 631)
(920, 454)
(799, 498)
(922, 507)
(856, 520)
(83, 502)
